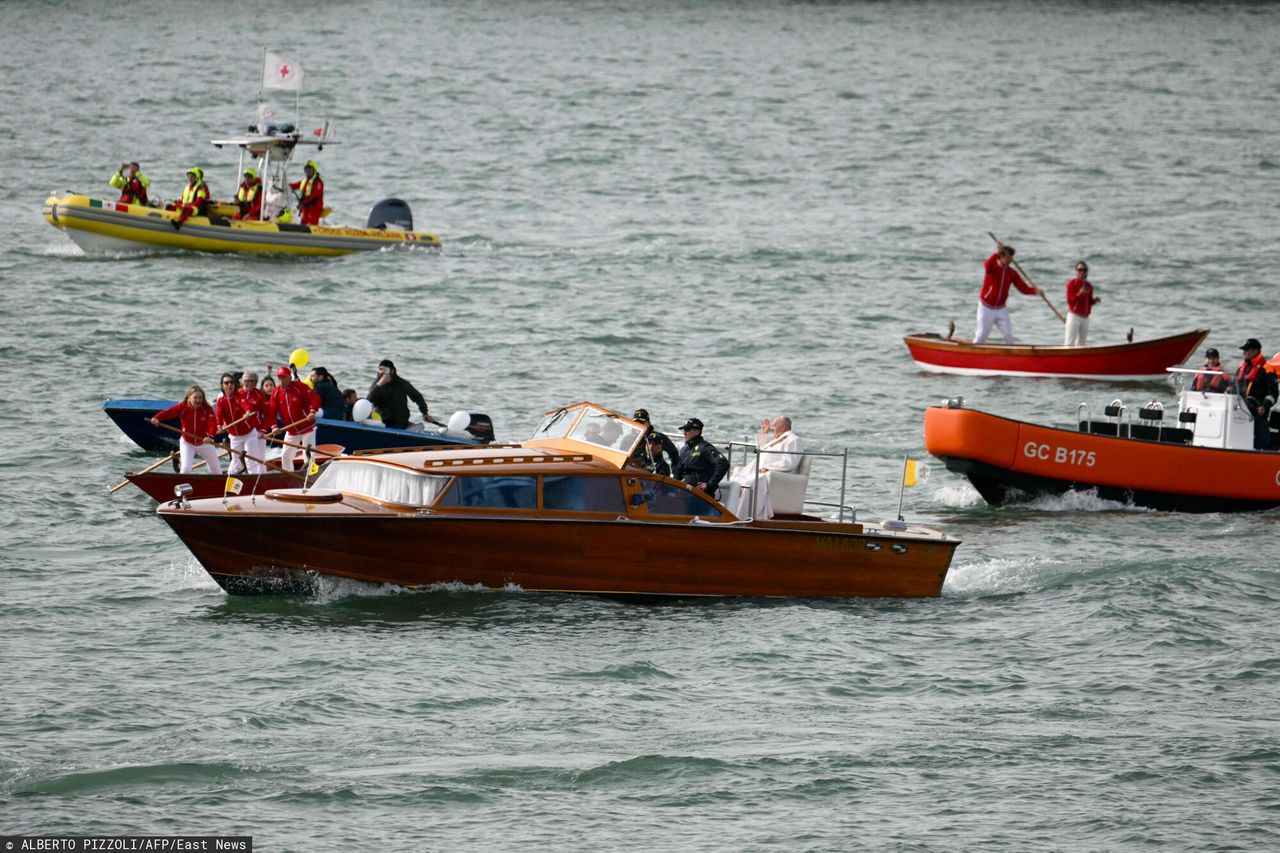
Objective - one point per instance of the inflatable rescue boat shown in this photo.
(100, 225)
(1204, 463)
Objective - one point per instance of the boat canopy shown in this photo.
(269, 148)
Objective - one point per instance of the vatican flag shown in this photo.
(314, 469)
(914, 472)
(234, 486)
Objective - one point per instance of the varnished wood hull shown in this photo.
(160, 484)
(276, 552)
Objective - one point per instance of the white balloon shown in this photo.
(459, 421)
(361, 410)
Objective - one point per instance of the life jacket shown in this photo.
(1248, 372)
(1210, 383)
(247, 197)
(134, 192)
(197, 195)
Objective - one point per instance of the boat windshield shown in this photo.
(604, 429)
(383, 482)
(556, 424)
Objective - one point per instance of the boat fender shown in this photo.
(390, 211)
(458, 422)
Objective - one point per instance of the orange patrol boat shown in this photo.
(565, 511)
(1204, 464)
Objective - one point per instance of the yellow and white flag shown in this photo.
(234, 486)
(314, 469)
(914, 472)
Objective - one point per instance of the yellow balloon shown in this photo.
(299, 358)
(308, 382)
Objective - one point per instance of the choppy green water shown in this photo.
(721, 210)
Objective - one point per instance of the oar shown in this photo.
(118, 486)
(227, 449)
(1039, 289)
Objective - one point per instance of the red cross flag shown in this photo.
(280, 72)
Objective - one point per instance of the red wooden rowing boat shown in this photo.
(160, 484)
(1134, 360)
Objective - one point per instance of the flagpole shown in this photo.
(902, 485)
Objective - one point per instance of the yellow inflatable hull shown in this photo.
(96, 225)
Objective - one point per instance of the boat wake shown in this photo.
(1074, 501)
(998, 576)
(958, 496)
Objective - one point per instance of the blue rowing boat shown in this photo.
(133, 416)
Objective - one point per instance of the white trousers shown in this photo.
(256, 446)
(307, 439)
(187, 453)
(1077, 331)
(988, 317)
(252, 444)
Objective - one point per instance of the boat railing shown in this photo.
(1119, 412)
(1087, 422)
(750, 448)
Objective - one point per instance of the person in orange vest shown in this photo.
(195, 197)
(1216, 381)
(249, 196)
(133, 187)
(1257, 388)
(311, 197)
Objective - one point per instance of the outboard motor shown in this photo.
(481, 428)
(390, 211)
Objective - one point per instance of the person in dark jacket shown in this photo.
(1257, 387)
(390, 395)
(323, 383)
(645, 455)
(701, 465)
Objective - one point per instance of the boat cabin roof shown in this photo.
(570, 438)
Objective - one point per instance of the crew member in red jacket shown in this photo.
(1080, 302)
(195, 198)
(1257, 387)
(249, 196)
(995, 292)
(252, 397)
(229, 414)
(1216, 382)
(295, 405)
(311, 194)
(197, 420)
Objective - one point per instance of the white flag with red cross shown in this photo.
(281, 72)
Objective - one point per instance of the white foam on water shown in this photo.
(189, 574)
(997, 576)
(958, 495)
(1088, 501)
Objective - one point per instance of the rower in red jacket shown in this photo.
(311, 197)
(995, 292)
(295, 404)
(229, 412)
(251, 397)
(197, 420)
(1080, 302)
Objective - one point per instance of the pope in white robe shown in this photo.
(780, 450)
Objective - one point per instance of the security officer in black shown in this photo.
(645, 455)
(701, 465)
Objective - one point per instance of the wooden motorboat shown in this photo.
(160, 484)
(133, 417)
(562, 512)
(1203, 464)
(1134, 360)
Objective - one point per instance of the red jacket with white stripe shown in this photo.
(291, 403)
(1080, 298)
(995, 285)
(196, 422)
(231, 407)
